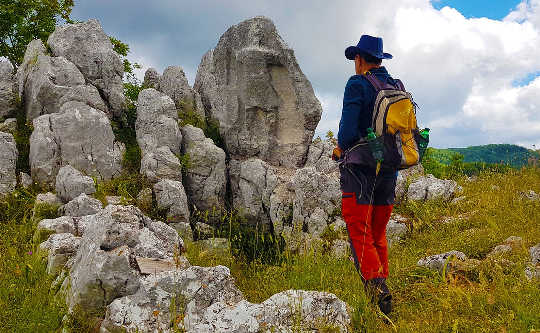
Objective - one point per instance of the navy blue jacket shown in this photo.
(358, 102)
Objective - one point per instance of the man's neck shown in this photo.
(364, 69)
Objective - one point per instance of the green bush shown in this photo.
(210, 127)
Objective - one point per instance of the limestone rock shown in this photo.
(437, 261)
(151, 78)
(252, 184)
(183, 229)
(340, 248)
(161, 164)
(530, 195)
(203, 230)
(90, 49)
(25, 179)
(33, 50)
(157, 122)
(395, 229)
(144, 198)
(170, 195)
(429, 188)
(9, 125)
(533, 270)
(48, 198)
(320, 157)
(8, 91)
(535, 254)
(81, 206)
(317, 197)
(252, 85)
(59, 248)
(114, 199)
(8, 163)
(70, 183)
(405, 177)
(205, 178)
(79, 136)
(174, 84)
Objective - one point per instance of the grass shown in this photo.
(492, 297)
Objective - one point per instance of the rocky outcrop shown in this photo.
(70, 183)
(87, 46)
(438, 261)
(161, 164)
(8, 163)
(151, 79)
(157, 122)
(252, 184)
(430, 188)
(170, 196)
(174, 84)
(8, 90)
(396, 229)
(81, 206)
(205, 176)
(79, 136)
(59, 248)
(252, 85)
(405, 178)
(320, 157)
(9, 125)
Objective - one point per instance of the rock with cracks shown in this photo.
(430, 188)
(8, 163)
(8, 90)
(79, 136)
(174, 84)
(59, 248)
(252, 85)
(438, 261)
(170, 195)
(87, 46)
(161, 164)
(205, 176)
(81, 206)
(70, 183)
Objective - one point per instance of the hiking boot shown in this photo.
(378, 290)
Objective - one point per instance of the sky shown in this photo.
(473, 67)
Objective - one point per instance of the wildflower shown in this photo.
(29, 253)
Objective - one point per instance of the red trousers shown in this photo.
(366, 206)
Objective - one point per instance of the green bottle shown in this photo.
(423, 144)
(376, 146)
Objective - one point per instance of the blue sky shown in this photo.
(471, 67)
(493, 9)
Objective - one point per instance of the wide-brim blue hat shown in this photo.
(370, 45)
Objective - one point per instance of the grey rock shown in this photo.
(320, 157)
(161, 164)
(79, 136)
(396, 229)
(215, 244)
(458, 200)
(183, 229)
(429, 188)
(59, 249)
(81, 206)
(157, 122)
(530, 195)
(404, 178)
(8, 89)
(532, 272)
(25, 179)
(252, 85)
(535, 254)
(338, 224)
(8, 163)
(252, 183)
(193, 289)
(114, 199)
(500, 249)
(174, 84)
(317, 197)
(144, 198)
(170, 195)
(281, 205)
(9, 125)
(33, 50)
(203, 230)
(437, 261)
(151, 78)
(70, 183)
(205, 179)
(340, 248)
(64, 224)
(89, 48)
(48, 198)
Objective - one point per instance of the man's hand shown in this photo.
(336, 154)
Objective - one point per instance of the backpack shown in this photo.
(394, 122)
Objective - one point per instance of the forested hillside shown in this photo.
(513, 155)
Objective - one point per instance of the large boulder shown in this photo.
(430, 188)
(405, 178)
(87, 46)
(157, 122)
(205, 176)
(151, 78)
(170, 195)
(70, 183)
(161, 164)
(174, 84)
(8, 163)
(59, 248)
(252, 85)
(8, 90)
(320, 157)
(81, 206)
(78, 135)
(252, 184)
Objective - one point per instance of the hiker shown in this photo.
(367, 191)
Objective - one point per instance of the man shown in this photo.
(367, 193)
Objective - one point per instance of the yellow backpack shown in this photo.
(394, 121)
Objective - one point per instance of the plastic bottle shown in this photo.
(422, 145)
(376, 146)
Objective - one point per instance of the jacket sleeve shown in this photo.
(353, 105)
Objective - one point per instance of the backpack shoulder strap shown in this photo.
(378, 85)
(399, 85)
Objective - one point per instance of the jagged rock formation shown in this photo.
(170, 195)
(8, 89)
(70, 183)
(78, 135)
(8, 163)
(251, 83)
(89, 48)
(205, 176)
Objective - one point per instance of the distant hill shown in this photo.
(494, 153)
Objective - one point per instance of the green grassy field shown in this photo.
(492, 297)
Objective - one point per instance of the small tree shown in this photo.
(22, 21)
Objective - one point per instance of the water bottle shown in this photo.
(376, 146)
(423, 144)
